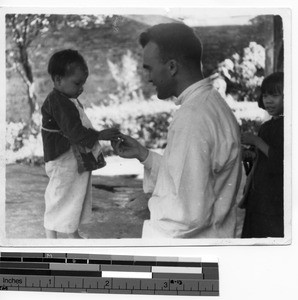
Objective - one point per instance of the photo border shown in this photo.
(286, 16)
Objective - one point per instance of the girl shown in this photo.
(264, 187)
(71, 148)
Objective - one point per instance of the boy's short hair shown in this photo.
(273, 84)
(175, 41)
(64, 62)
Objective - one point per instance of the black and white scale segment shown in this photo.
(115, 274)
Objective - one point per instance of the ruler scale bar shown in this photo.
(24, 265)
(177, 276)
(115, 274)
(74, 267)
(122, 274)
(176, 270)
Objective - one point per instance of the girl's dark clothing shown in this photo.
(264, 206)
(59, 113)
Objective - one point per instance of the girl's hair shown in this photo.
(272, 85)
(64, 62)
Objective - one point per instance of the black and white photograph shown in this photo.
(147, 127)
(148, 132)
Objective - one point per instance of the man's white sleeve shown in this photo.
(151, 167)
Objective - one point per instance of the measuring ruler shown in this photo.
(115, 274)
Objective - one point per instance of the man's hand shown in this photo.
(127, 147)
(109, 134)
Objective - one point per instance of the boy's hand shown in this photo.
(109, 134)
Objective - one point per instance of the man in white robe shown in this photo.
(194, 184)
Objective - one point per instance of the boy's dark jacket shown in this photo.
(60, 113)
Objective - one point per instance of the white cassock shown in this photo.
(194, 184)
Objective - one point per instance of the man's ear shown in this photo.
(173, 66)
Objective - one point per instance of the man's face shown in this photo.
(158, 72)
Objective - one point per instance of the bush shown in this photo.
(252, 126)
(143, 120)
(153, 129)
(26, 149)
(244, 73)
(147, 121)
(14, 136)
(127, 78)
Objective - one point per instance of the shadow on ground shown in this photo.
(119, 205)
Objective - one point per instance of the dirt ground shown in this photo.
(119, 205)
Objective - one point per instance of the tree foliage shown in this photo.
(244, 73)
(23, 29)
(127, 78)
